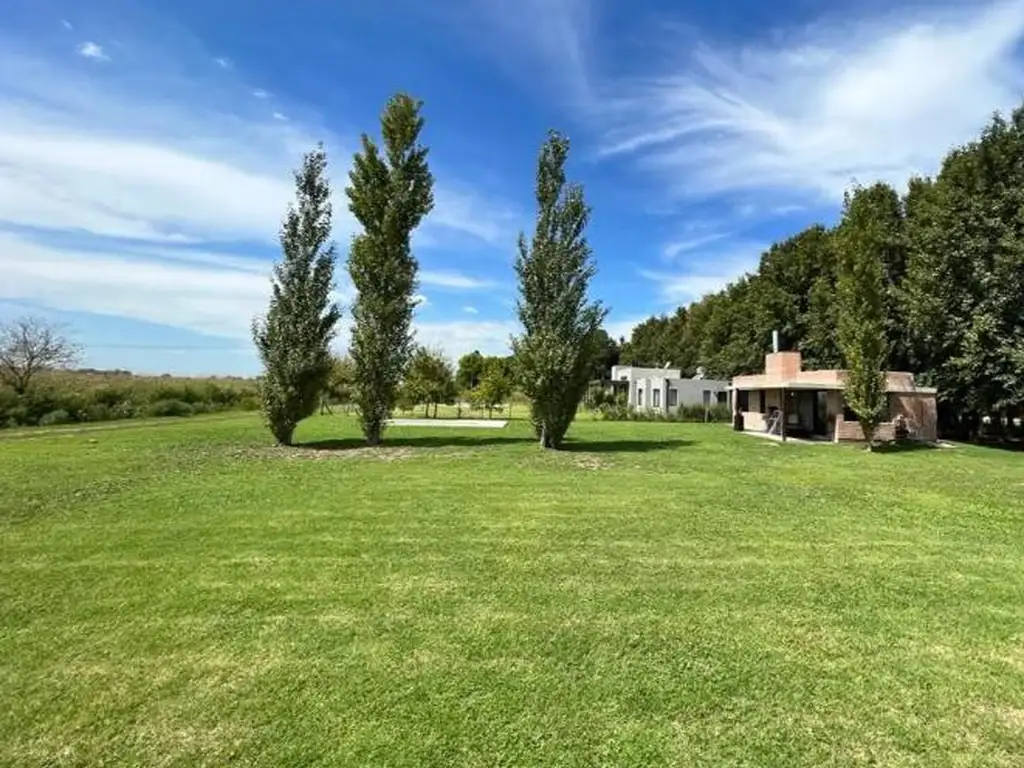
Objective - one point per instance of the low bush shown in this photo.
(89, 396)
(52, 418)
(97, 412)
(169, 408)
(686, 413)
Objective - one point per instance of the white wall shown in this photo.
(688, 392)
(629, 373)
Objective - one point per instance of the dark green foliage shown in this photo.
(97, 397)
(495, 385)
(60, 416)
(965, 277)
(861, 304)
(608, 355)
(169, 408)
(555, 355)
(719, 414)
(430, 380)
(293, 339)
(951, 259)
(471, 368)
(389, 195)
(341, 383)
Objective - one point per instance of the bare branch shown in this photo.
(29, 346)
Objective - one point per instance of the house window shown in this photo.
(673, 397)
(722, 398)
(760, 401)
(656, 398)
(639, 397)
(707, 397)
(743, 400)
(848, 415)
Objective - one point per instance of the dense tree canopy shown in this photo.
(555, 354)
(951, 256)
(293, 338)
(390, 191)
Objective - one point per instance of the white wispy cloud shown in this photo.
(206, 292)
(92, 50)
(875, 99)
(705, 271)
(123, 168)
(545, 44)
(673, 249)
(216, 299)
(223, 62)
(453, 280)
(455, 338)
(66, 24)
(259, 93)
(279, 116)
(471, 310)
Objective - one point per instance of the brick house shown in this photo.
(787, 400)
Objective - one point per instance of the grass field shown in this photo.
(660, 594)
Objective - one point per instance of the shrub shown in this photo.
(96, 412)
(52, 418)
(169, 408)
(126, 409)
(686, 413)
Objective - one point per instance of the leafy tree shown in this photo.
(495, 385)
(389, 195)
(340, 386)
(556, 352)
(29, 346)
(471, 368)
(430, 380)
(293, 338)
(861, 308)
(608, 353)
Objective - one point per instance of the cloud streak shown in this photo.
(875, 100)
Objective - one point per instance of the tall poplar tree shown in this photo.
(861, 301)
(556, 352)
(293, 338)
(389, 194)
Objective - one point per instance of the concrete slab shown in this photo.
(470, 423)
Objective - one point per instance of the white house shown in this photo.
(665, 389)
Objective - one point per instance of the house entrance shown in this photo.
(806, 413)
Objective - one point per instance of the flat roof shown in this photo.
(831, 386)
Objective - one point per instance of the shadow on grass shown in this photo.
(424, 441)
(906, 446)
(1001, 445)
(623, 446)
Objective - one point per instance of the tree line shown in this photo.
(948, 259)
(390, 192)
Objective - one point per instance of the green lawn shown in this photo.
(661, 594)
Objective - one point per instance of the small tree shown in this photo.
(29, 346)
(293, 339)
(495, 386)
(389, 196)
(556, 352)
(340, 386)
(860, 296)
(471, 368)
(430, 380)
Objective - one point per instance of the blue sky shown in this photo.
(146, 147)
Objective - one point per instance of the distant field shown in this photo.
(659, 594)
